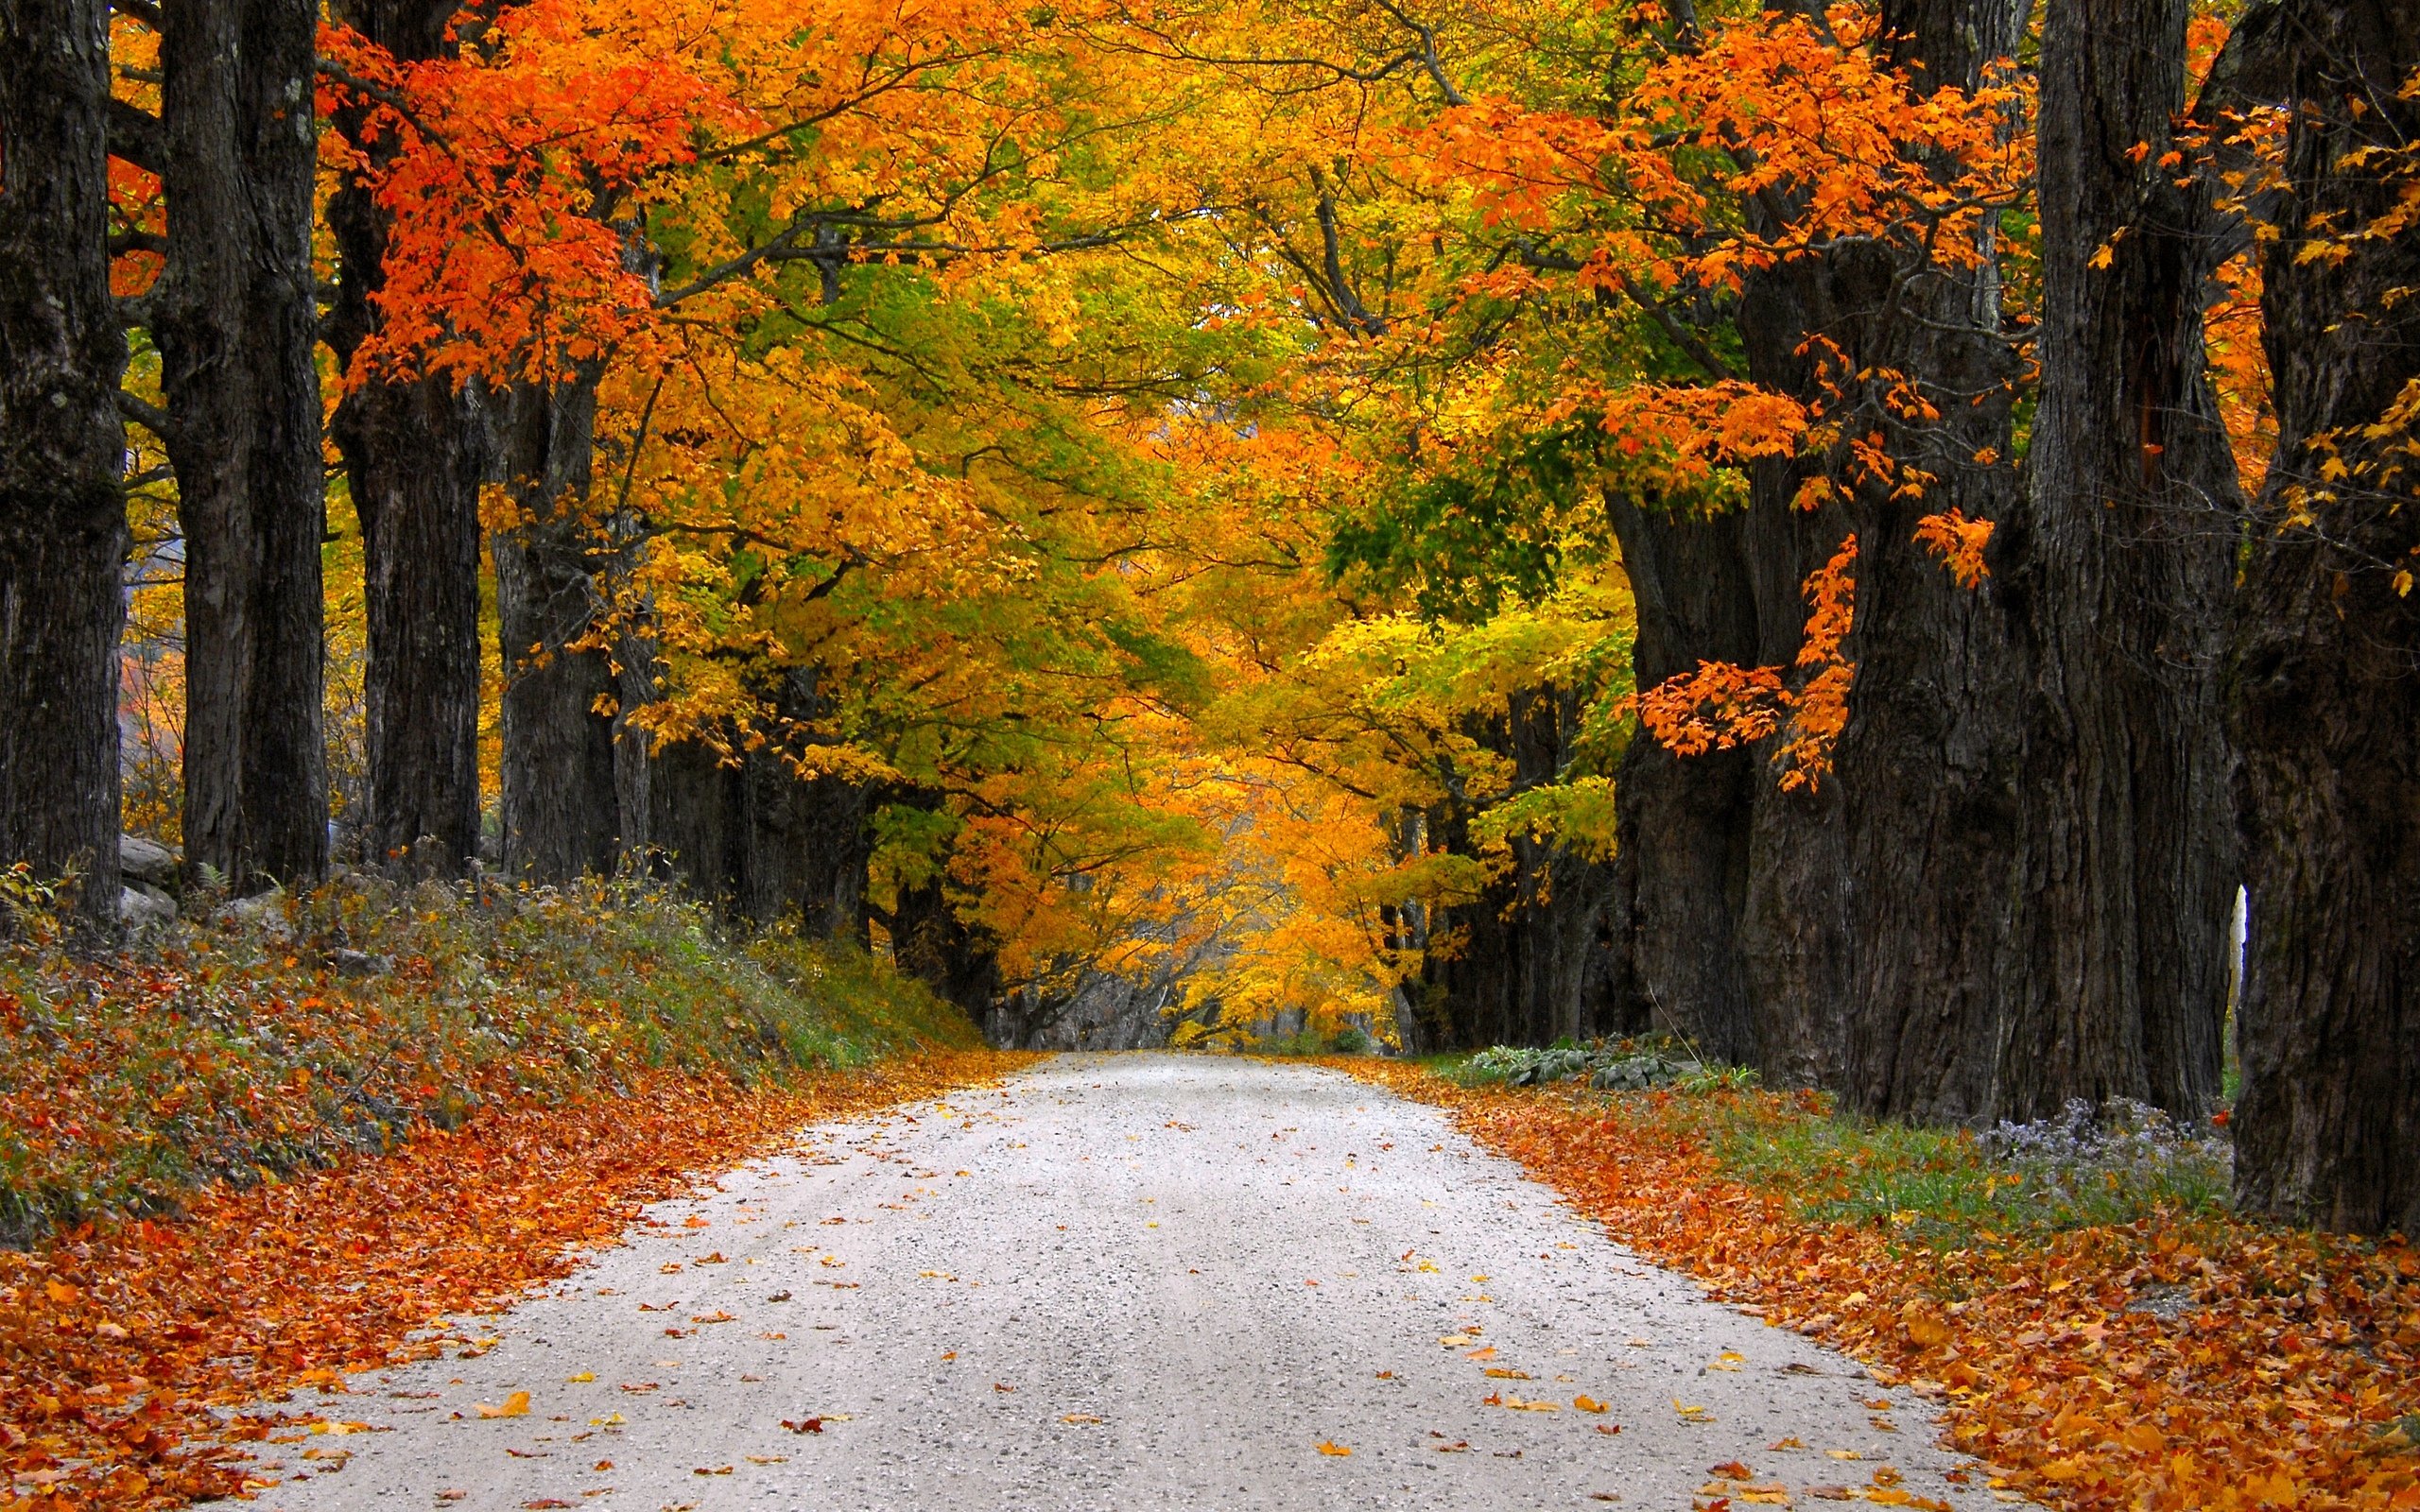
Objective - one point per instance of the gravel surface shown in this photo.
(1118, 1283)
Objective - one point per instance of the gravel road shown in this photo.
(1118, 1283)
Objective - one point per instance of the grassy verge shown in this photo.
(2097, 1326)
(341, 1019)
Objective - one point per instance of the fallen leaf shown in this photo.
(810, 1425)
(516, 1405)
(1079, 1418)
(1590, 1404)
(1327, 1447)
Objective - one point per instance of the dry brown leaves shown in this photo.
(2279, 1384)
(116, 1343)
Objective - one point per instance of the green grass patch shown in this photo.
(1946, 1189)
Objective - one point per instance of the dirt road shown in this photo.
(1119, 1283)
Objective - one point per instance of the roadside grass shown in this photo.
(2100, 1331)
(291, 1035)
(1947, 1189)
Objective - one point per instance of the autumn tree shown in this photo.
(235, 317)
(415, 449)
(2325, 639)
(63, 518)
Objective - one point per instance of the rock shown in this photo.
(360, 963)
(142, 906)
(146, 861)
(265, 911)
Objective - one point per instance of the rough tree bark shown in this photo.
(562, 809)
(2115, 973)
(237, 324)
(2325, 661)
(1682, 824)
(63, 452)
(1925, 768)
(931, 943)
(414, 451)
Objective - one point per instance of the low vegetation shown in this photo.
(291, 1031)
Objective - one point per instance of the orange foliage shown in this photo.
(2300, 1355)
(1959, 542)
(1721, 705)
(116, 1343)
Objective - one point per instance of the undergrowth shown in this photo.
(336, 1020)
(1941, 1188)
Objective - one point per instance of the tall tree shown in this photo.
(2116, 972)
(62, 452)
(1925, 761)
(561, 805)
(236, 322)
(415, 450)
(2324, 676)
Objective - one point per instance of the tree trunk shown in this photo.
(2114, 972)
(563, 807)
(237, 325)
(1925, 766)
(62, 454)
(931, 943)
(758, 840)
(414, 456)
(1530, 962)
(1684, 823)
(415, 452)
(2325, 674)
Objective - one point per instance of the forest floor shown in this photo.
(1120, 1283)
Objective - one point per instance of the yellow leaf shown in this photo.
(1924, 1324)
(1327, 1447)
(516, 1405)
(1502, 1374)
(583, 1376)
(1588, 1404)
(1079, 1418)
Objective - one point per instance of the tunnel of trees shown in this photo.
(1853, 536)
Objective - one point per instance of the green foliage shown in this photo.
(1606, 1065)
(241, 1050)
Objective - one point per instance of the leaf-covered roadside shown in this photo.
(2288, 1374)
(116, 1343)
(297, 1033)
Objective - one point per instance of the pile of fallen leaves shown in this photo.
(117, 1342)
(2177, 1361)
